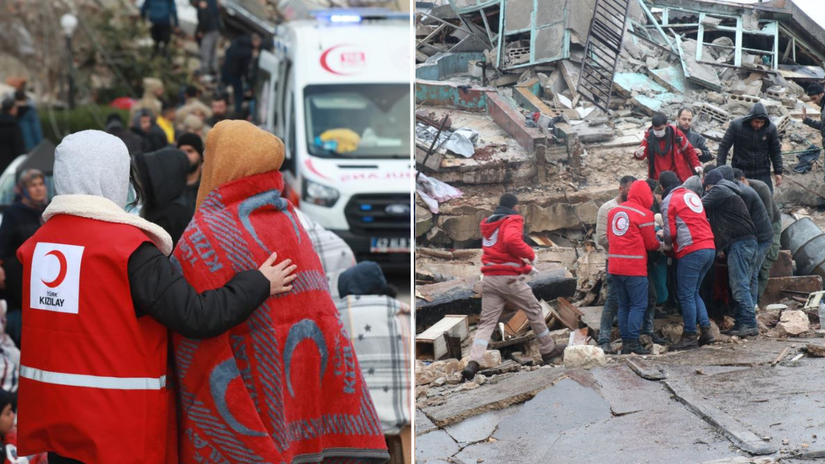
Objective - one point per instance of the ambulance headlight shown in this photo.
(319, 194)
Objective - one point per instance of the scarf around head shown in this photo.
(235, 150)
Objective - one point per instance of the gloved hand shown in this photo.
(639, 152)
(699, 170)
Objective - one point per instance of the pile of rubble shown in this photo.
(497, 110)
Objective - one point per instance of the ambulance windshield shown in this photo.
(358, 120)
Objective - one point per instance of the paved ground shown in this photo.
(718, 403)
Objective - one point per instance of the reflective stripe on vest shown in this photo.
(93, 381)
(631, 209)
(647, 224)
(626, 256)
(504, 264)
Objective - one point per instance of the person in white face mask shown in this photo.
(668, 149)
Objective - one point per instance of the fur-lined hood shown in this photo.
(102, 209)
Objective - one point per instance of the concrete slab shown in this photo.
(566, 406)
(439, 67)
(737, 432)
(512, 122)
(478, 428)
(504, 391)
(783, 403)
(423, 424)
(450, 95)
(620, 387)
(672, 78)
(626, 83)
(434, 446)
(754, 353)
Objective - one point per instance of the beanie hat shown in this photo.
(193, 140)
(815, 89)
(713, 178)
(365, 278)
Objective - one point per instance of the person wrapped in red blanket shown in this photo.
(285, 386)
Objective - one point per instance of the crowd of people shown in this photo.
(695, 238)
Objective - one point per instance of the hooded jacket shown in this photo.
(365, 278)
(685, 223)
(756, 207)
(728, 215)
(678, 155)
(503, 245)
(163, 173)
(631, 233)
(753, 151)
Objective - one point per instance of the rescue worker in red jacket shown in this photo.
(99, 295)
(631, 235)
(687, 230)
(667, 149)
(505, 261)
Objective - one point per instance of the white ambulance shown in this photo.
(336, 90)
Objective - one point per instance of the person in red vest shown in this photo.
(687, 229)
(99, 296)
(631, 235)
(667, 149)
(505, 261)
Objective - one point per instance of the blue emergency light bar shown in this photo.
(356, 15)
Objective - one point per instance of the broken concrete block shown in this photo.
(783, 266)
(769, 317)
(490, 359)
(555, 83)
(584, 356)
(816, 350)
(793, 322)
(423, 220)
(673, 331)
(806, 284)
(426, 374)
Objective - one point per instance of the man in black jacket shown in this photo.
(755, 146)
(816, 92)
(761, 221)
(735, 236)
(236, 66)
(684, 118)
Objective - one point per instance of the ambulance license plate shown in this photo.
(390, 245)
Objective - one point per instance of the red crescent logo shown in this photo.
(312, 169)
(63, 268)
(357, 60)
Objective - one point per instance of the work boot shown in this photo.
(707, 337)
(557, 351)
(607, 348)
(469, 372)
(689, 341)
(633, 346)
(743, 332)
(658, 340)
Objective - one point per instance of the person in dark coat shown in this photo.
(163, 175)
(133, 141)
(152, 136)
(761, 221)
(11, 138)
(192, 145)
(28, 119)
(235, 69)
(208, 32)
(20, 221)
(755, 145)
(684, 119)
(735, 236)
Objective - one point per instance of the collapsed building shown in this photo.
(549, 100)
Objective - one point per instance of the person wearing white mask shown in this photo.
(667, 149)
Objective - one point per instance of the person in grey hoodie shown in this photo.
(755, 145)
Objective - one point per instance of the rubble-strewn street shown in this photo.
(549, 101)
